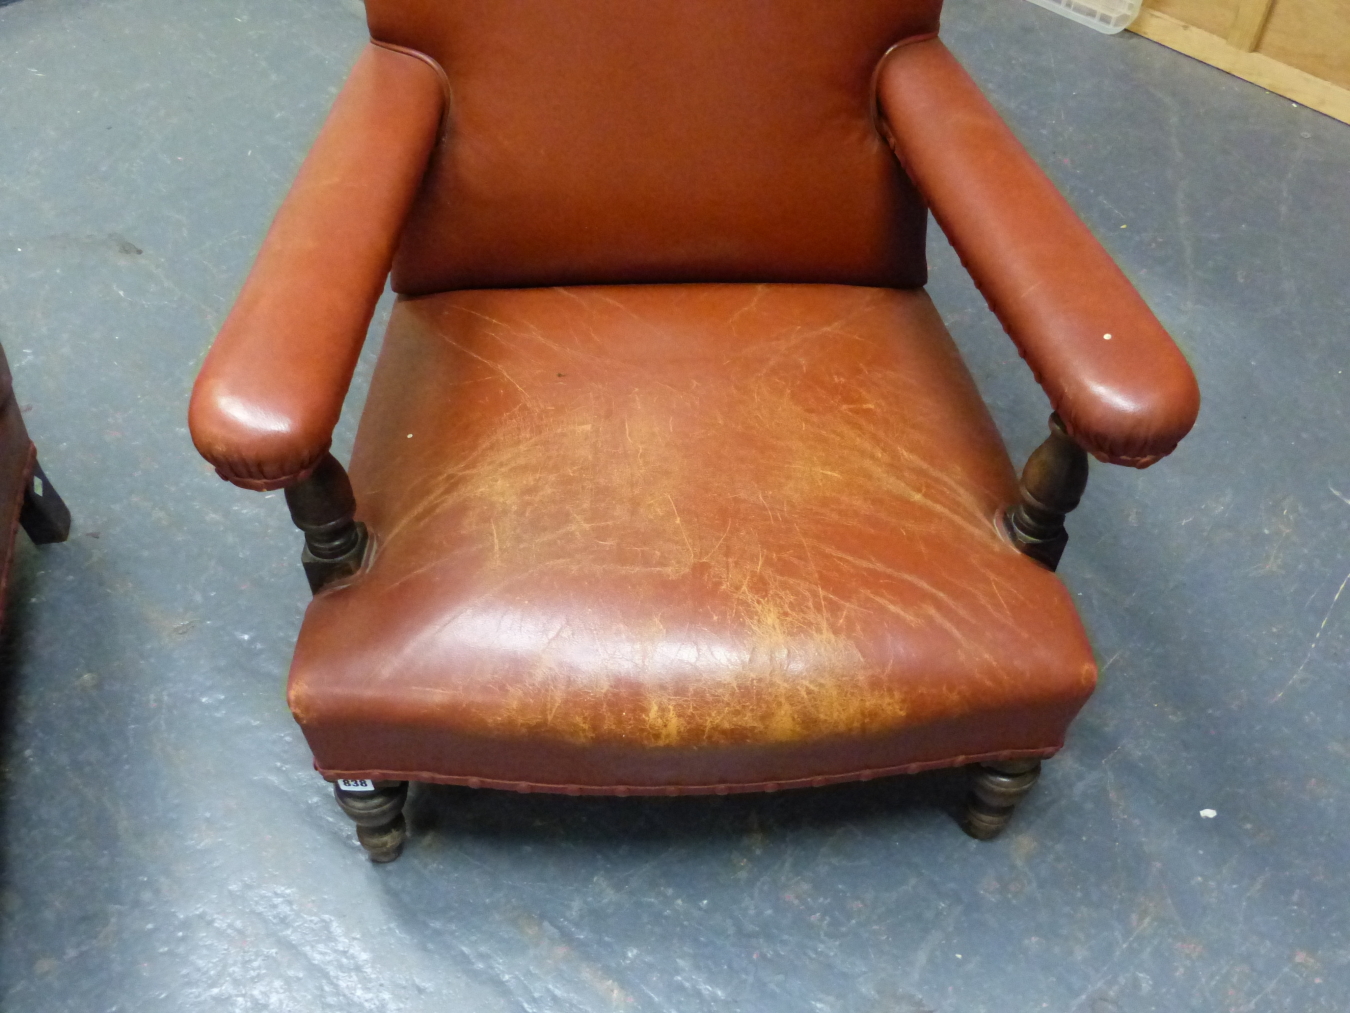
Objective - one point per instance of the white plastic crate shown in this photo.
(1108, 16)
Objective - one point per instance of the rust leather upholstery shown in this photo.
(595, 141)
(681, 538)
(675, 481)
(271, 389)
(1114, 375)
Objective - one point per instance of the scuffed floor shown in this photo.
(166, 846)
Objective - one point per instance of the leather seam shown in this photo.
(265, 484)
(434, 64)
(878, 118)
(820, 781)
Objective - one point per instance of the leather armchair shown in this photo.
(670, 479)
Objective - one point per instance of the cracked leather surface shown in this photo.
(685, 538)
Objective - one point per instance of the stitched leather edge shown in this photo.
(1124, 460)
(268, 484)
(623, 790)
(417, 54)
(878, 120)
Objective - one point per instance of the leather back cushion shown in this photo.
(603, 141)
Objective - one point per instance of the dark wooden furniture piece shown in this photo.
(670, 478)
(27, 496)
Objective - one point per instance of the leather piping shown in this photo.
(878, 120)
(417, 54)
(623, 790)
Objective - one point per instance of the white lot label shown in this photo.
(346, 785)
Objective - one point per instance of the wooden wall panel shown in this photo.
(1296, 48)
(1213, 16)
(1312, 35)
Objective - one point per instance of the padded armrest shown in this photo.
(1122, 388)
(271, 388)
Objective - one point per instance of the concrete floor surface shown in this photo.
(165, 846)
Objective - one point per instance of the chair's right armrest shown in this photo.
(271, 388)
(1121, 386)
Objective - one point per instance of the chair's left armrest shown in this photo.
(271, 389)
(1119, 383)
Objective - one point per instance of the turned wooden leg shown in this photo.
(376, 807)
(323, 507)
(44, 514)
(1053, 481)
(995, 790)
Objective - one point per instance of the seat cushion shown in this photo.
(681, 538)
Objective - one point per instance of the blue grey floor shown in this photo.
(164, 845)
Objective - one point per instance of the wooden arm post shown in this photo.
(1053, 481)
(323, 507)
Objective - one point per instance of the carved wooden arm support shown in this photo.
(1053, 481)
(324, 508)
